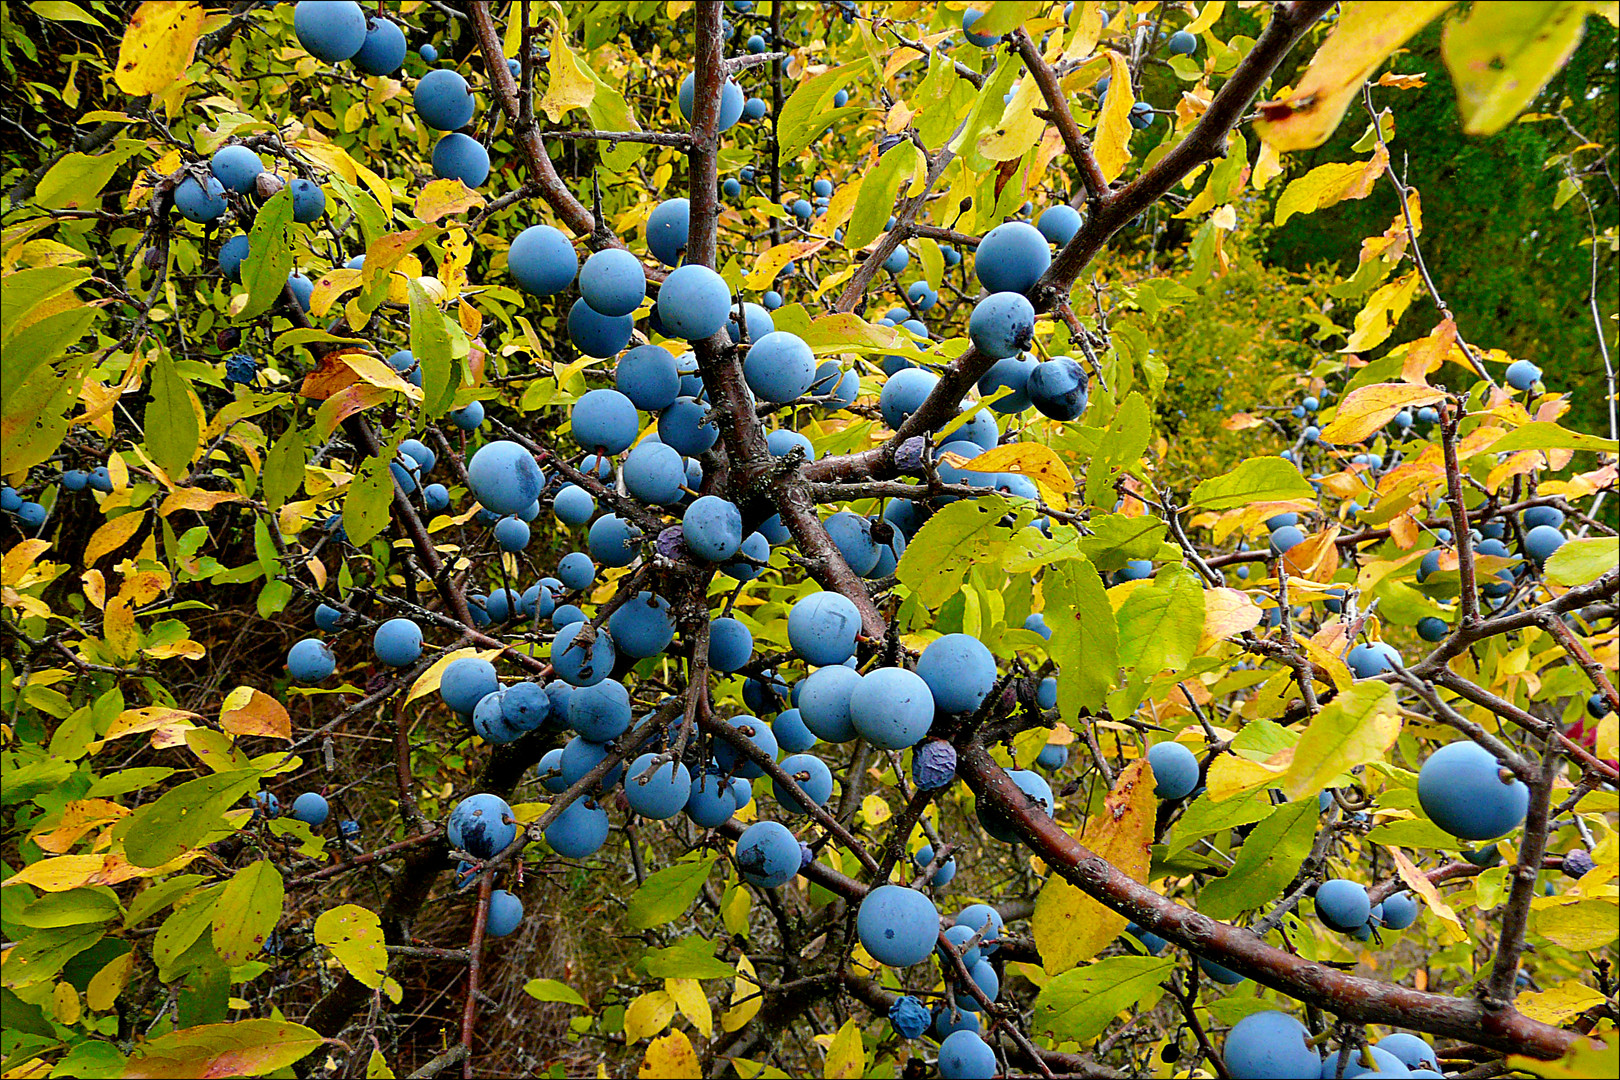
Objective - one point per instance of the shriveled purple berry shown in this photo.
(933, 764)
(672, 544)
(1578, 863)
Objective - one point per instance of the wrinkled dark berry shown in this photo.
(933, 764)
(1578, 863)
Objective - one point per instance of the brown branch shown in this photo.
(1078, 146)
(1497, 992)
(1358, 999)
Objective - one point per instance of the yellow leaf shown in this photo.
(329, 286)
(441, 198)
(1230, 776)
(846, 1056)
(745, 996)
(1560, 1004)
(671, 1057)
(1267, 167)
(158, 45)
(1227, 613)
(247, 711)
(875, 810)
(427, 682)
(1332, 183)
(768, 265)
(689, 997)
(1018, 128)
(1577, 923)
(1384, 309)
(1367, 408)
(648, 1015)
(1040, 463)
(1070, 927)
(1087, 23)
(61, 873)
(118, 627)
(1416, 880)
(571, 87)
(112, 536)
(1206, 18)
(16, 561)
(1113, 141)
(1367, 32)
(194, 499)
(65, 1004)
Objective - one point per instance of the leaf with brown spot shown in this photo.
(1070, 927)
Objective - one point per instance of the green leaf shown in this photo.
(270, 255)
(179, 819)
(1205, 817)
(1161, 623)
(172, 435)
(284, 467)
(87, 904)
(1580, 561)
(1084, 638)
(247, 911)
(1266, 862)
(243, 1048)
(436, 343)
(1005, 15)
(1122, 447)
(808, 111)
(949, 544)
(1503, 53)
(40, 956)
(668, 893)
(354, 934)
(1261, 479)
(1079, 1004)
(63, 11)
(371, 493)
(690, 958)
(1546, 435)
(1116, 539)
(878, 192)
(552, 990)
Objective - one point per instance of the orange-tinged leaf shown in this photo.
(247, 711)
(112, 536)
(150, 718)
(1382, 311)
(1427, 354)
(1070, 927)
(377, 373)
(1316, 557)
(118, 627)
(242, 1048)
(78, 818)
(158, 45)
(345, 403)
(1368, 408)
(331, 374)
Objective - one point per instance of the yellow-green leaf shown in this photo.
(1356, 727)
(246, 912)
(354, 935)
(1328, 184)
(1366, 34)
(1503, 53)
